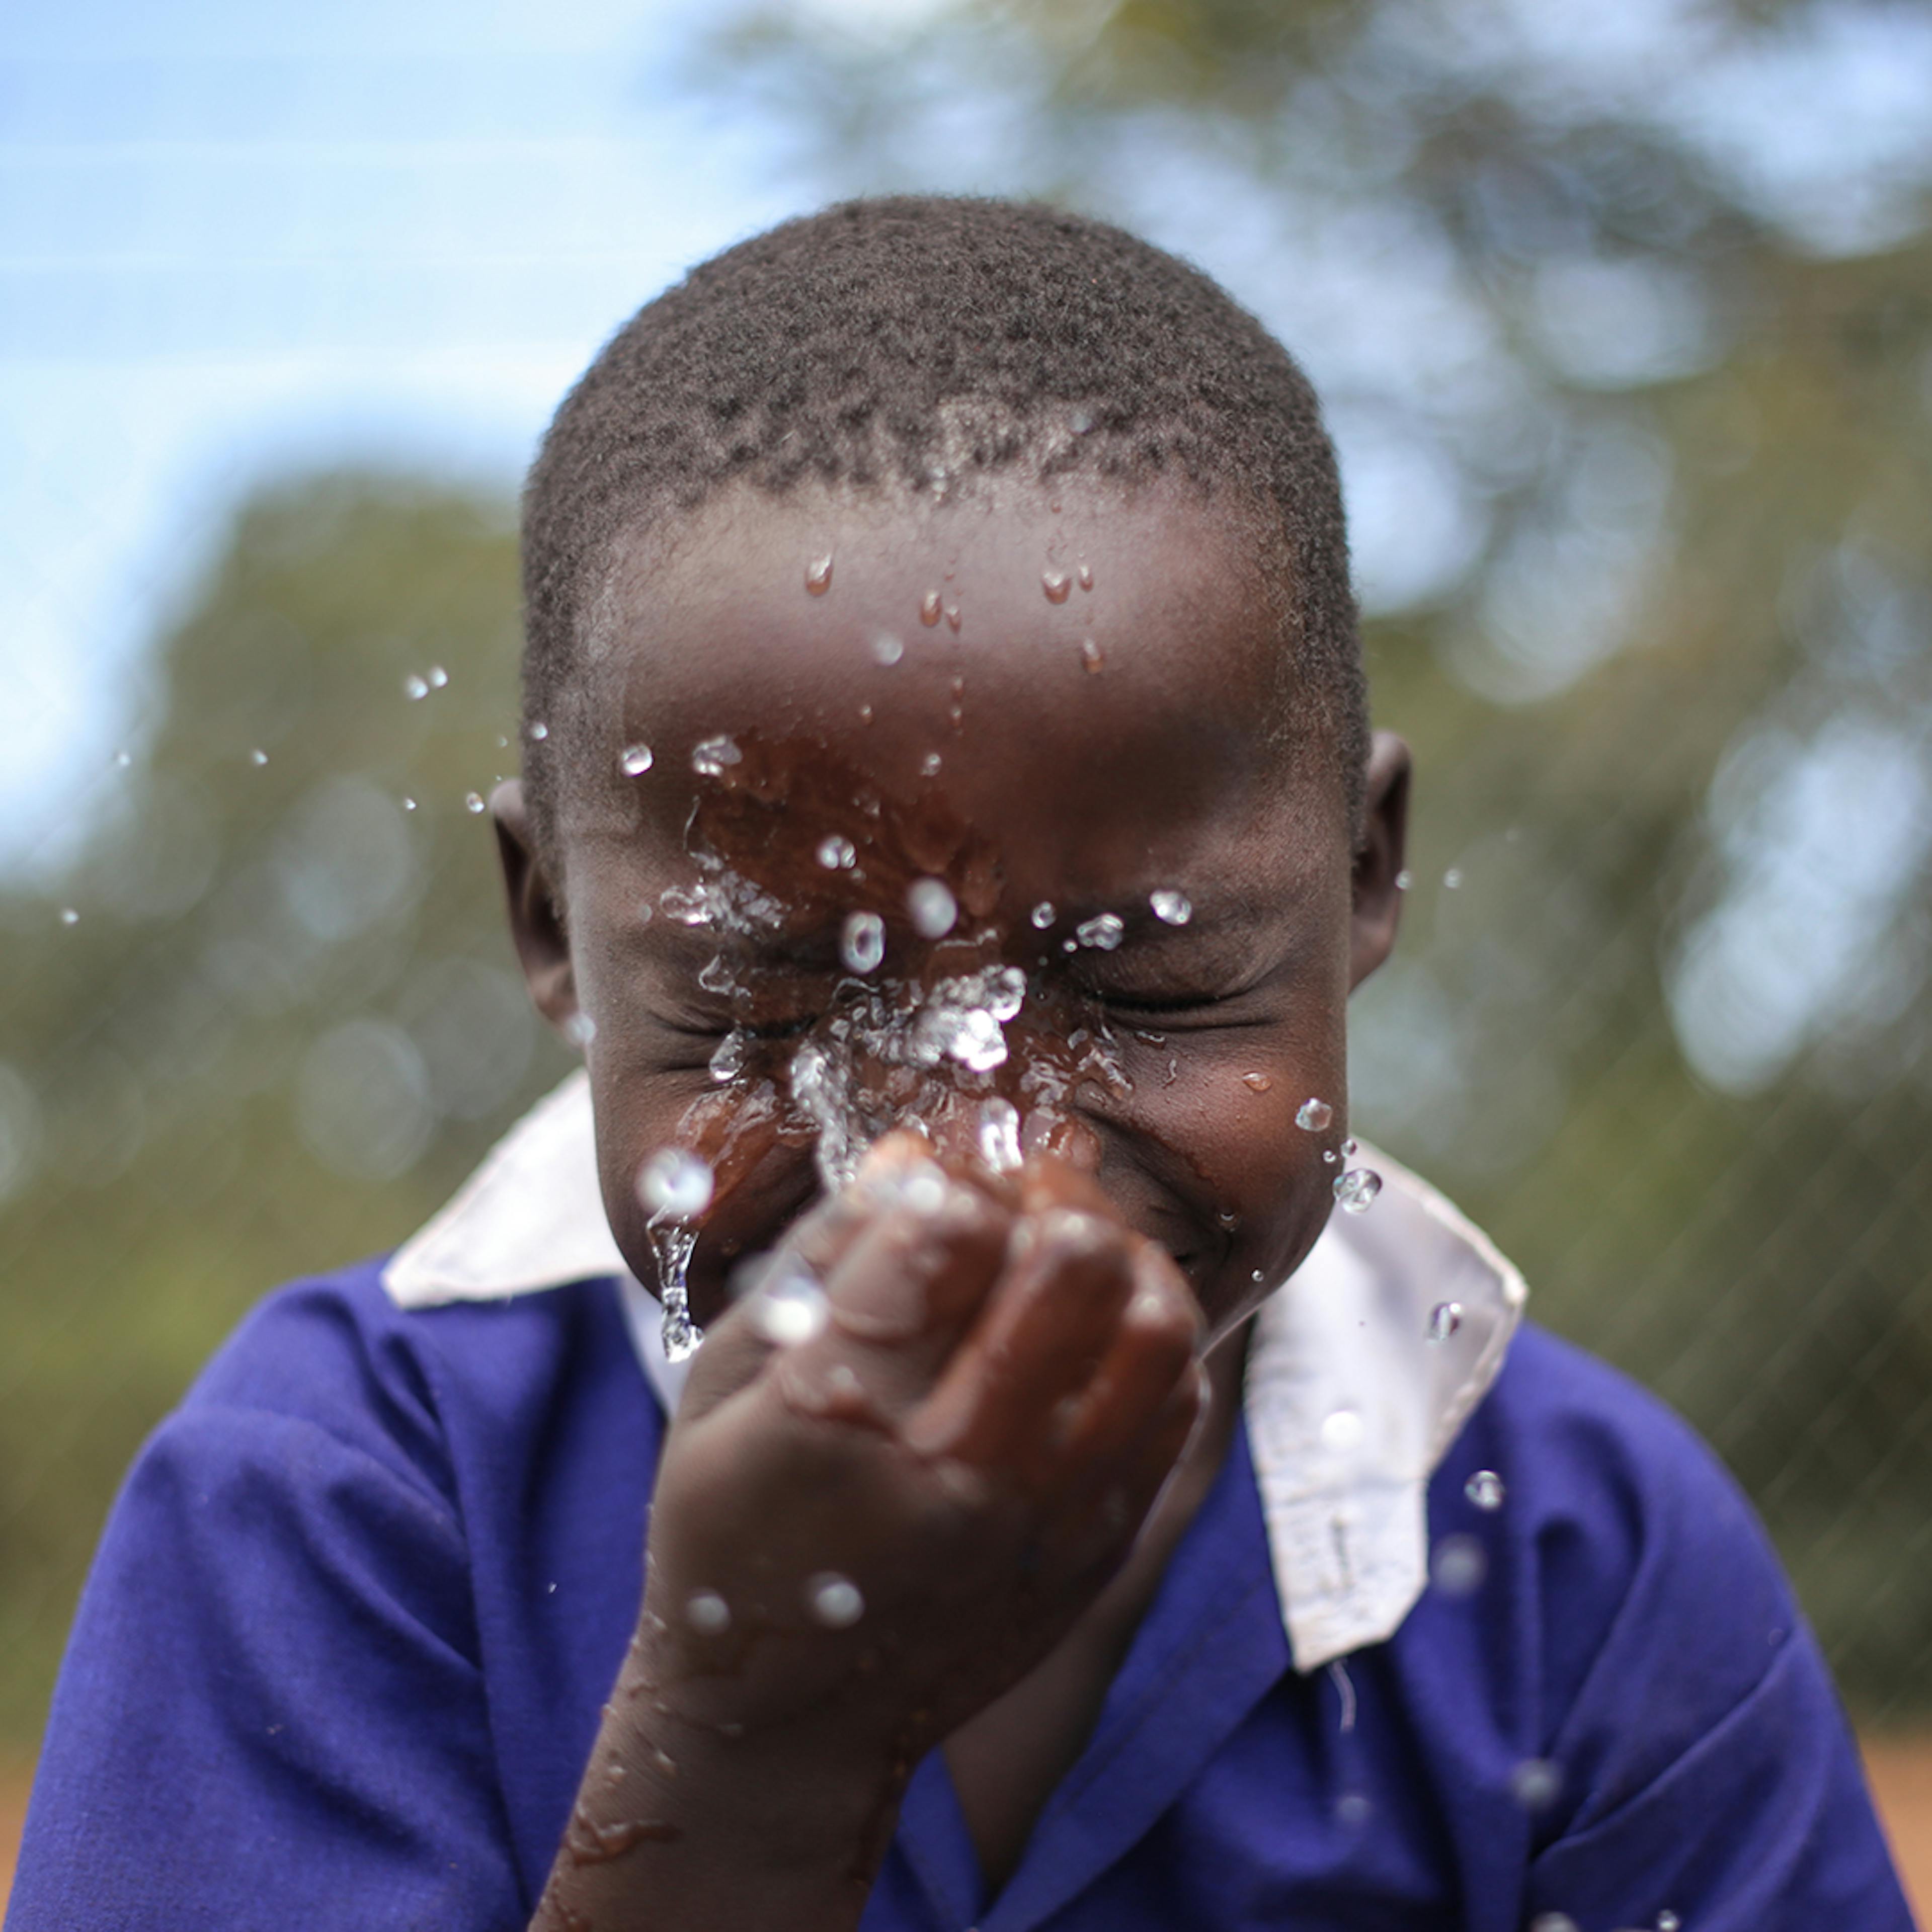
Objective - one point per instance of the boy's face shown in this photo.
(1002, 753)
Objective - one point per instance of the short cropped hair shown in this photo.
(902, 343)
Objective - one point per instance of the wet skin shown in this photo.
(996, 1438)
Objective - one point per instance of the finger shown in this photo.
(899, 1299)
(1097, 1526)
(1040, 1338)
(1158, 1336)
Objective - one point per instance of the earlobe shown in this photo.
(1378, 857)
(536, 924)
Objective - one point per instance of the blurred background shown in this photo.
(1623, 316)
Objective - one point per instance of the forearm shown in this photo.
(683, 1827)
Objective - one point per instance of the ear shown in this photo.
(536, 921)
(1378, 867)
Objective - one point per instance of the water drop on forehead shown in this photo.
(1356, 1188)
(818, 576)
(675, 1183)
(1259, 1083)
(1086, 575)
(711, 756)
(887, 649)
(862, 944)
(932, 908)
(636, 760)
(1102, 931)
(929, 607)
(1057, 584)
(837, 854)
(1092, 658)
(1313, 1116)
(1170, 907)
(834, 1600)
(414, 688)
(1041, 914)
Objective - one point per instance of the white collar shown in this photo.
(1347, 1336)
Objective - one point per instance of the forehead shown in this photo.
(1093, 671)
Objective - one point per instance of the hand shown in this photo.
(859, 1540)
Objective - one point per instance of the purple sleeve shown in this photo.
(271, 1713)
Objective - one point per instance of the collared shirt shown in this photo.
(340, 1661)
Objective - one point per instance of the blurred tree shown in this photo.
(284, 1020)
(1623, 317)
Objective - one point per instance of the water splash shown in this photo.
(672, 1242)
(999, 1134)
(1356, 1188)
(1103, 931)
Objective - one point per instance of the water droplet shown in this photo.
(999, 1134)
(414, 687)
(1352, 1810)
(1534, 1783)
(580, 1030)
(709, 757)
(1092, 658)
(1452, 878)
(818, 576)
(408, 803)
(472, 801)
(1356, 1188)
(539, 730)
(1042, 915)
(1259, 1082)
(929, 766)
(1485, 1490)
(1329, 1156)
(1170, 907)
(1458, 1566)
(952, 617)
(675, 1183)
(707, 1613)
(438, 677)
(672, 1243)
(1342, 1433)
(834, 1600)
(1444, 1318)
(929, 609)
(1086, 576)
(69, 916)
(837, 854)
(887, 649)
(862, 945)
(1057, 584)
(1667, 1921)
(1102, 931)
(258, 756)
(733, 1051)
(1081, 422)
(637, 759)
(1351, 1147)
(934, 911)
(787, 1306)
(123, 759)
(1554, 1921)
(1313, 1116)
(1404, 879)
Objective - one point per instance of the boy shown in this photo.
(951, 828)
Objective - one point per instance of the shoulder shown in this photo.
(403, 1388)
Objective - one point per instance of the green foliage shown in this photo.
(186, 1146)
